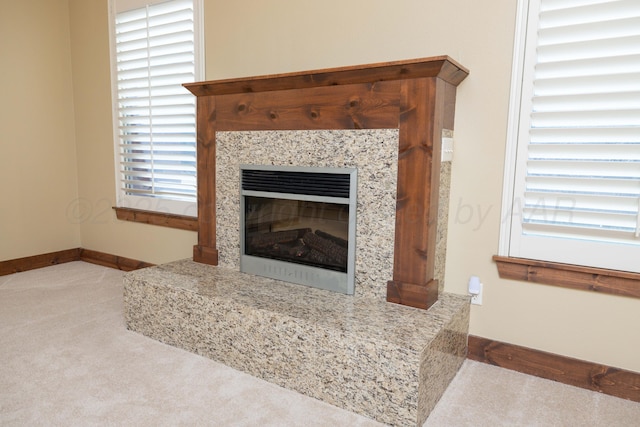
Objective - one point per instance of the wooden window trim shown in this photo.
(181, 222)
(614, 282)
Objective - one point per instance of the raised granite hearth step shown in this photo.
(385, 361)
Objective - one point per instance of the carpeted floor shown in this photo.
(67, 360)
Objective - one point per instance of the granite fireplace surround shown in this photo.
(389, 351)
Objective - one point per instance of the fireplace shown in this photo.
(386, 361)
(298, 225)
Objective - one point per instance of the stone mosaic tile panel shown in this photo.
(372, 152)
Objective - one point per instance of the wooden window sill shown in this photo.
(181, 222)
(615, 282)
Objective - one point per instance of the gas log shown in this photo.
(327, 247)
(335, 239)
(265, 240)
(300, 245)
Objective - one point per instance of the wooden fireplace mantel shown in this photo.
(415, 96)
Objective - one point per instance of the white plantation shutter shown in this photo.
(155, 53)
(577, 179)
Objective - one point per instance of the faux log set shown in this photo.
(268, 240)
(301, 245)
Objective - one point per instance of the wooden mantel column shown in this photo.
(206, 250)
(415, 96)
(421, 122)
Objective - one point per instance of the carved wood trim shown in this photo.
(566, 370)
(569, 276)
(415, 96)
(181, 222)
(361, 106)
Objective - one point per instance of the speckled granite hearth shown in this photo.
(385, 361)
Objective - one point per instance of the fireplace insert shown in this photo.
(298, 225)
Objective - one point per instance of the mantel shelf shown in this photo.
(442, 67)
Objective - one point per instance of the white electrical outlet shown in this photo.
(447, 149)
(476, 299)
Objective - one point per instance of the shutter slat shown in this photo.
(578, 185)
(601, 30)
(580, 219)
(602, 170)
(185, 171)
(181, 180)
(159, 187)
(614, 83)
(589, 202)
(596, 118)
(556, 15)
(167, 145)
(621, 46)
(159, 158)
(173, 131)
(577, 235)
(588, 102)
(603, 135)
(610, 65)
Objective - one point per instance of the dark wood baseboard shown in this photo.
(38, 261)
(566, 370)
(112, 261)
(77, 254)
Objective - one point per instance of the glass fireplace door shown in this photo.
(299, 231)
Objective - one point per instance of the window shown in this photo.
(155, 49)
(572, 181)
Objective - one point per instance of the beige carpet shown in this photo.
(66, 359)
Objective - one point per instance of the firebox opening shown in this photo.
(298, 231)
(298, 225)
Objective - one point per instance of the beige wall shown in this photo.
(273, 36)
(38, 178)
(99, 228)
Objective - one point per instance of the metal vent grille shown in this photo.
(309, 183)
